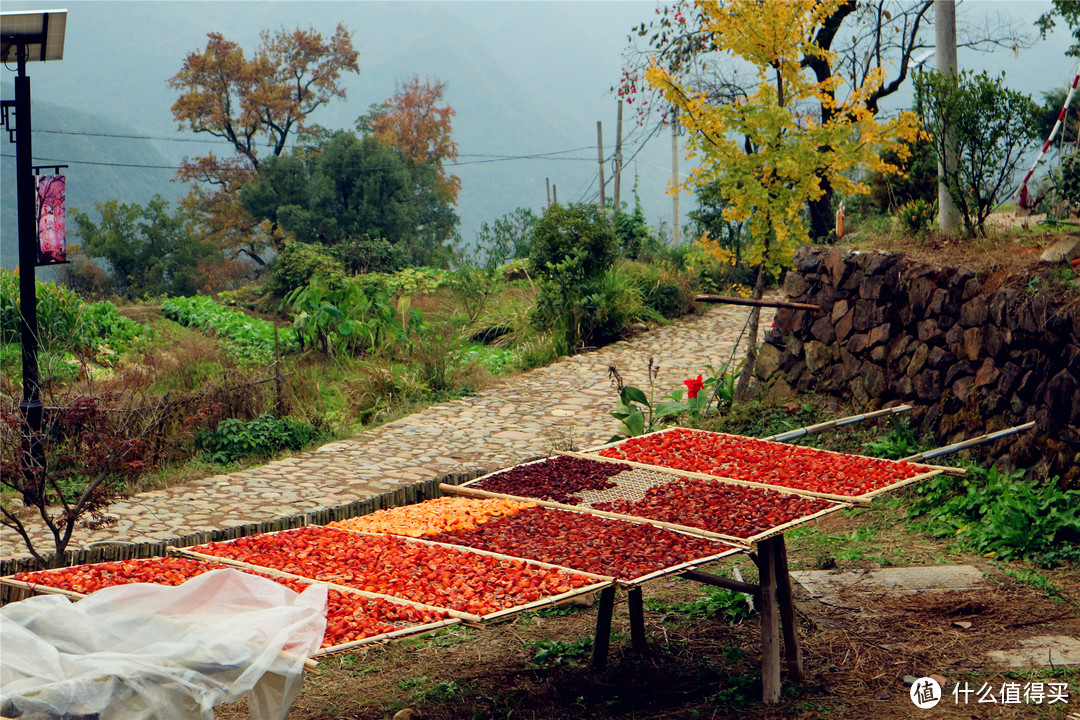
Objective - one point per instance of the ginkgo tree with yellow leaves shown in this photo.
(769, 150)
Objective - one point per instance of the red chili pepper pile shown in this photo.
(723, 508)
(584, 542)
(91, 578)
(762, 461)
(428, 574)
(556, 478)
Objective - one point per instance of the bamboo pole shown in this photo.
(840, 422)
(726, 300)
(385, 637)
(988, 437)
(544, 602)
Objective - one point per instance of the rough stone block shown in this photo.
(961, 388)
(866, 315)
(1000, 304)
(870, 287)
(957, 370)
(987, 373)
(974, 312)
(940, 358)
(833, 265)
(818, 355)
(938, 302)
(971, 288)
(918, 360)
(928, 385)
(1064, 250)
(839, 309)
(880, 334)
(1060, 396)
(929, 332)
(857, 343)
(878, 354)
(922, 289)
(873, 380)
(768, 361)
(794, 284)
(823, 330)
(1008, 378)
(973, 343)
(845, 325)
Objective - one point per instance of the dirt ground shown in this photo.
(856, 652)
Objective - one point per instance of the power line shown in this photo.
(492, 159)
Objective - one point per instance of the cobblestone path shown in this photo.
(514, 419)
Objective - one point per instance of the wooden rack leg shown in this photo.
(770, 627)
(602, 640)
(792, 651)
(635, 605)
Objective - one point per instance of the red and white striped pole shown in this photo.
(1053, 133)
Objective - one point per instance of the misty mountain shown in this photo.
(62, 134)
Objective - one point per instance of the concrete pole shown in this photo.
(618, 158)
(676, 231)
(600, 158)
(945, 58)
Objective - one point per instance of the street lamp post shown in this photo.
(25, 37)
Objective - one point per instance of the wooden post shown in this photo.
(792, 651)
(602, 639)
(555, 193)
(600, 158)
(618, 157)
(635, 605)
(547, 181)
(770, 630)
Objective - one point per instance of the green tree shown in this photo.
(349, 191)
(252, 103)
(566, 231)
(770, 155)
(507, 238)
(1067, 10)
(149, 250)
(990, 126)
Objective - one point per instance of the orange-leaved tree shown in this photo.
(414, 122)
(254, 105)
(770, 149)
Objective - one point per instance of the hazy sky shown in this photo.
(525, 78)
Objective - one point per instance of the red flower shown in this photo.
(693, 387)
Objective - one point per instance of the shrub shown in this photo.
(662, 290)
(999, 514)
(918, 216)
(298, 262)
(364, 255)
(564, 232)
(234, 439)
(989, 126)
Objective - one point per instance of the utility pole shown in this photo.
(600, 158)
(547, 181)
(676, 232)
(618, 157)
(555, 193)
(945, 59)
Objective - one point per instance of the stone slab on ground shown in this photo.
(828, 585)
(1041, 650)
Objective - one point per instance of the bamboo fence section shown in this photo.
(730, 539)
(840, 422)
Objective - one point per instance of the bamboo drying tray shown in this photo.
(469, 618)
(928, 471)
(627, 582)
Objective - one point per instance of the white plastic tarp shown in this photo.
(150, 651)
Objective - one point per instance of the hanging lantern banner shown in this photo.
(51, 221)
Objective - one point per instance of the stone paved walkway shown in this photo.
(517, 418)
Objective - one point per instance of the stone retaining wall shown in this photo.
(971, 354)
